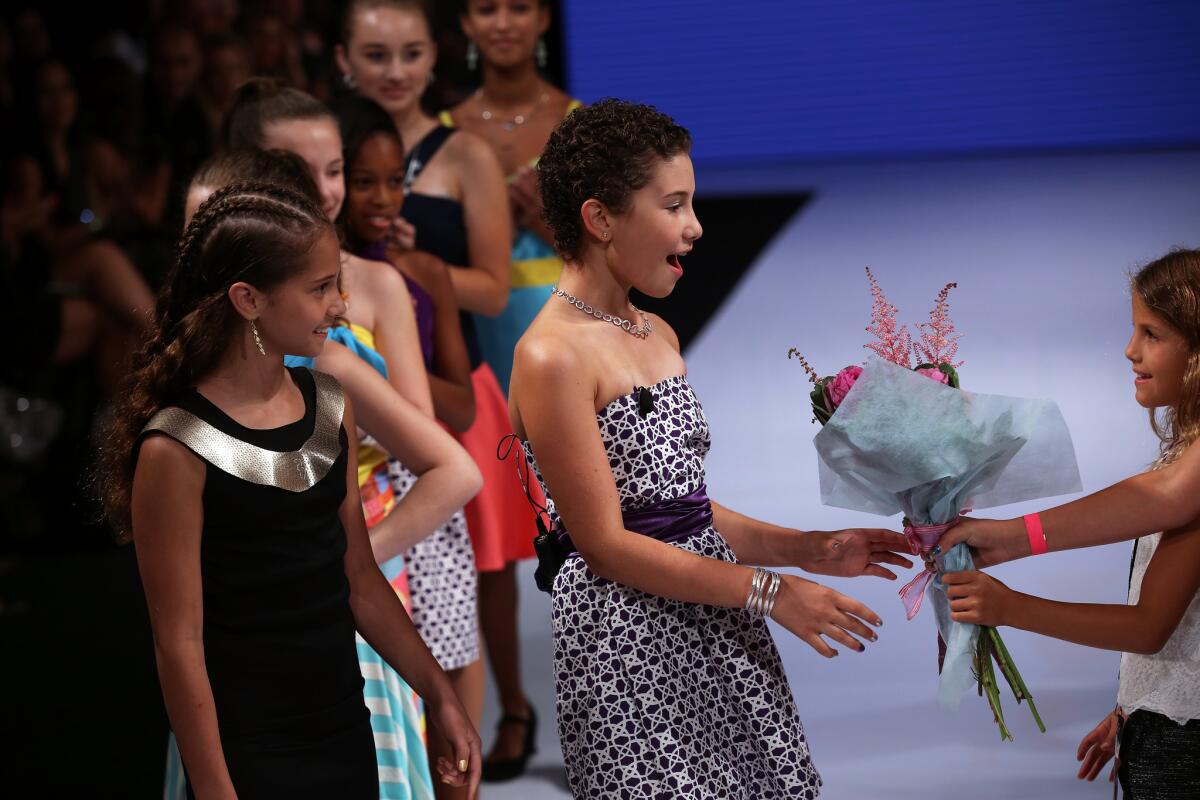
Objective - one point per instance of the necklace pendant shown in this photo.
(509, 126)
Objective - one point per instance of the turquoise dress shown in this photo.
(535, 271)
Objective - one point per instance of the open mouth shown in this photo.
(1141, 377)
(380, 221)
(675, 260)
(322, 331)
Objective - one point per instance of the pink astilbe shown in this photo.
(895, 343)
(938, 343)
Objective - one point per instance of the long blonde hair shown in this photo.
(1170, 287)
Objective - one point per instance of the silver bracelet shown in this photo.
(764, 587)
(769, 602)
(756, 587)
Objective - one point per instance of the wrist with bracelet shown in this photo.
(1036, 534)
(764, 588)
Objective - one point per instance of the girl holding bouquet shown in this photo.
(1158, 713)
(667, 681)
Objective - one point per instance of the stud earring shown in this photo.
(606, 235)
(348, 81)
(472, 56)
(257, 340)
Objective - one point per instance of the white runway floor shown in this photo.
(1040, 248)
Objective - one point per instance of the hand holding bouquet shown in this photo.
(899, 437)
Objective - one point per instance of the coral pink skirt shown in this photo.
(500, 519)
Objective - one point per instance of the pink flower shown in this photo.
(935, 374)
(894, 341)
(938, 343)
(837, 389)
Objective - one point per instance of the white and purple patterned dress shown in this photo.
(658, 698)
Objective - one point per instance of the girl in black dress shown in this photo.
(234, 478)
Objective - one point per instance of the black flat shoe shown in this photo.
(509, 768)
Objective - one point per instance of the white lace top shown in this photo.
(1167, 682)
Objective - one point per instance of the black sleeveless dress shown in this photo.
(278, 631)
(440, 223)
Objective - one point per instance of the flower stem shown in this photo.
(987, 678)
(1013, 675)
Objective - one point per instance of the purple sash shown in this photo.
(667, 520)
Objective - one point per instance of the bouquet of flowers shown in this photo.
(899, 437)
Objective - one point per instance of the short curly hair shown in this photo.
(604, 151)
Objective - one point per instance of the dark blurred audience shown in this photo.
(108, 111)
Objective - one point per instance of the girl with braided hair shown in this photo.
(385, 417)
(235, 479)
(440, 567)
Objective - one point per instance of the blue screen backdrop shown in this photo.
(802, 80)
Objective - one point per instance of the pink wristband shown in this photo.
(1037, 537)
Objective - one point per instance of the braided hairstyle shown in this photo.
(256, 232)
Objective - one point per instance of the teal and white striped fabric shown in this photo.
(397, 720)
(175, 784)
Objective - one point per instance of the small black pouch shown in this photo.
(551, 555)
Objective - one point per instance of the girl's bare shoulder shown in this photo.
(162, 459)
(660, 327)
(551, 346)
(379, 277)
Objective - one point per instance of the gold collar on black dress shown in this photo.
(295, 471)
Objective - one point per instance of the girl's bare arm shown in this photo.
(167, 522)
(1168, 587)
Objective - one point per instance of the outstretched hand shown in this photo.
(858, 551)
(810, 611)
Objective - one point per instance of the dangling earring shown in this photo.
(430, 78)
(472, 56)
(257, 340)
(348, 80)
(540, 53)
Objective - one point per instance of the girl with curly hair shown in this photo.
(666, 677)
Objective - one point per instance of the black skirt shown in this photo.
(1159, 759)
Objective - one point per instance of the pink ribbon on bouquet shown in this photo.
(921, 539)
